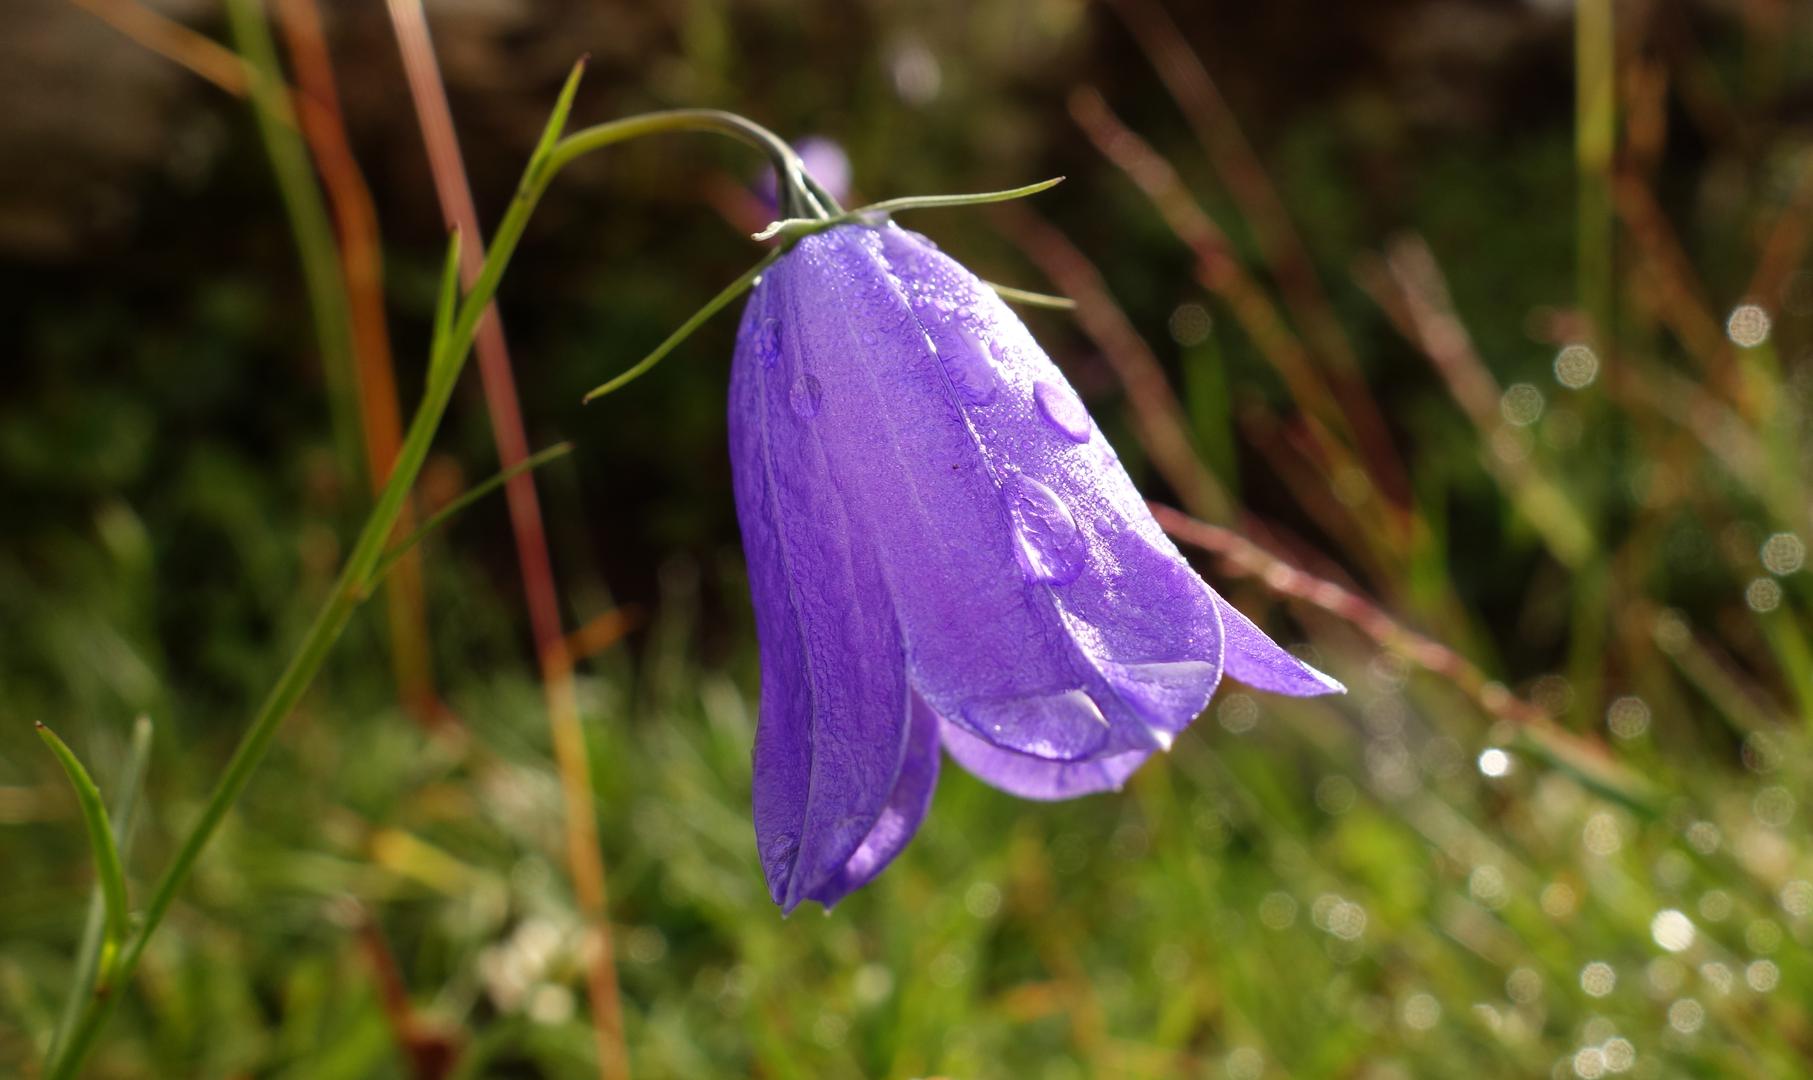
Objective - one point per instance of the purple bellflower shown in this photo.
(944, 551)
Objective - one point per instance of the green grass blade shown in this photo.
(88, 953)
(100, 835)
(446, 305)
(557, 120)
(465, 499)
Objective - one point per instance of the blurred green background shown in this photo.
(1533, 376)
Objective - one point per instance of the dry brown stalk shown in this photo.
(1342, 405)
(1239, 167)
(1682, 306)
(1249, 559)
(584, 861)
(172, 40)
(362, 267)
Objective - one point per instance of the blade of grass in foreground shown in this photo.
(88, 953)
(101, 842)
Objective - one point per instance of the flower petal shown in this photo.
(1256, 660)
(1041, 607)
(832, 739)
(900, 818)
(1036, 778)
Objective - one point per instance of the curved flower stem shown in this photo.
(446, 359)
(799, 192)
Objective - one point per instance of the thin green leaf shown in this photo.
(100, 835)
(446, 304)
(934, 202)
(88, 953)
(716, 304)
(557, 120)
(794, 228)
(1028, 298)
(465, 499)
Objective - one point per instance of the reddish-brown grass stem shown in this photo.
(585, 862)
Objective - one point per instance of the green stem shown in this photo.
(309, 222)
(798, 190)
(447, 358)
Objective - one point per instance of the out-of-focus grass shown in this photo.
(1388, 884)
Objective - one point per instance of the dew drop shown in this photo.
(1051, 547)
(969, 367)
(807, 396)
(768, 342)
(1166, 694)
(1062, 411)
(1057, 727)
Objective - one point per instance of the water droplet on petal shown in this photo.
(768, 342)
(807, 396)
(1057, 727)
(869, 337)
(1167, 694)
(969, 367)
(1062, 411)
(1051, 547)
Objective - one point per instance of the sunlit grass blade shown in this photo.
(1028, 298)
(465, 499)
(101, 842)
(88, 953)
(716, 304)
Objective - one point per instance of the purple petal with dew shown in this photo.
(1041, 607)
(1256, 660)
(1036, 778)
(832, 741)
(899, 819)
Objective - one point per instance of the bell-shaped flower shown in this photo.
(944, 550)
